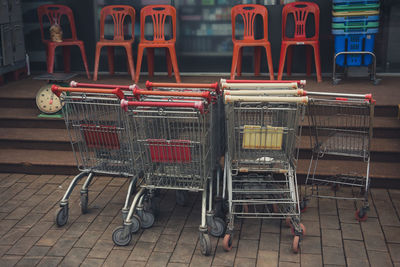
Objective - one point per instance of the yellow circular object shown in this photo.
(46, 101)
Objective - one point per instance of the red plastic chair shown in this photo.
(158, 14)
(249, 13)
(119, 14)
(300, 11)
(54, 14)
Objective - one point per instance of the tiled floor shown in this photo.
(28, 235)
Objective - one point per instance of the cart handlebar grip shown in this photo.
(260, 85)
(103, 86)
(287, 99)
(341, 96)
(298, 92)
(299, 82)
(206, 95)
(195, 104)
(57, 90)
(214, 86)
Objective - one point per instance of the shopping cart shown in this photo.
(341, 126)
(174, 138)
(99, 140)
(260, 84)
(260, 162)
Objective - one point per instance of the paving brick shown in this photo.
(288, 264)
(311, 260)
(62, 246)
(50, 237)
(6, 225)
(141, 251)
(33, 200)
(347, 216)
(267, 258)
(166, 243)
(37, 251)
(250, 231)
(18, 213)
(223, 258)
(76, 229)
(91, 262)
(23, 245)
(345, 204)
(269, 241)
(25, 194)
(39, 229)
(247, 248)
(386, 212)
(75, 257)
(245, 262)
(271, 226)
(331, 238)
(88, 239)
(29, 220)
(101, 249)
(12, 236)
(189, 235)
(378, 259)
(135, 263)
(116, 258)
(286, 253)
(29, 261)
(100, 223)
(11, 205)
(312, 228)
(351, 231)
(9, 260)
(183, 253)
(311, 245)
(311, 214)
(354, 249)
(394, 250)
(111, 209)
(327, 206)
(158, 259)
(4, 249)
(373, 235)
(355, 262)
(392, 234)
(329, 222)
(333, 255)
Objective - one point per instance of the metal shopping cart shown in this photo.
(99, 139)
(341, 126)
(260, 162)
(174, 137)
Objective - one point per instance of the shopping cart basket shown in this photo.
(341, 126)
(260, 162)
(99, 140)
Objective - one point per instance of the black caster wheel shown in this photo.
(361, 215)
(205, 244)
(136, 224)
(147, 219)
(84, 203)
(218, 227)
(62, 216)
(121, 236)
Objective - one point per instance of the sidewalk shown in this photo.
(29, 237)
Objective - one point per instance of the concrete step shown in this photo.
(27, 118)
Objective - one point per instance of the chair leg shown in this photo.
(239, 64)
(96, 62)
(308, 59)
(50, 58)
(174, 62)
(84, 59)
(110, 56)
(139, 62)
(130, 61)
(235, 56)
(282, 60)
(67, 58)
(269, 60)
(150, 61)
(257, 60)
(289, 60)
(169, 63)
(317, 62)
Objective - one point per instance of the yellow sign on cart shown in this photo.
(257, 137)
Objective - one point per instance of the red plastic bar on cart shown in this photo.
(57, 90)
(206, 95)
(214, 86)
(195, 104)
(103, 86)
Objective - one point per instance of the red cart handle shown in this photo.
(57, 90)
(214, 86)
(137, 92)
(103, 86)
(195, 104)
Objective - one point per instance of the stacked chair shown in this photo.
(354, 25)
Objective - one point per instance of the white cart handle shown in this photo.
(285, 99)
(259, 86)
(298, 92)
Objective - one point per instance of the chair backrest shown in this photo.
(158, 14)
(119, 14)
(249, 13)
(54, 14)
(300, 11)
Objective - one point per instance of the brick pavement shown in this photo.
(29, 237)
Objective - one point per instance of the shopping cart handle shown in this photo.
(279, 99)
(195, 104)
(215, 86)
(137, 92)
(299, 82)
(103, 86)
(57, 90)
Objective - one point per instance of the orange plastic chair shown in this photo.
(54, 13)
(300, 11)
(158, 14)
(119, 14)
(249, 13)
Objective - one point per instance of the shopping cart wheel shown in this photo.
(121, 236)
(336, 81)
(303, 206)
(303, 228)
(227, 242)
(147, 219)
(361, 215)
(219, 227)
(205, 244)
(296, 244)
(377, 81)
(136, 224)
(181, 197)
(84, 203)
(62, 215)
